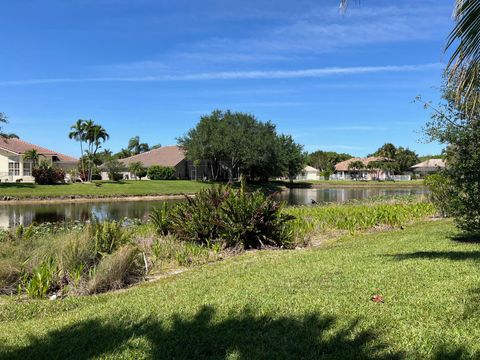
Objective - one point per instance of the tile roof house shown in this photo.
(14, 168)
(343, 172)
(429, 166)
(309, 173)
(168, 156)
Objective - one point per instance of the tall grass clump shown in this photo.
(98, 257)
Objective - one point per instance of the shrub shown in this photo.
(41, 280)
(156, 172)
(442, 193)
(218, 214)
(108, 236)
(76, 250)
(253, 220)
(46, 174)
(116, 270)
(114, 169)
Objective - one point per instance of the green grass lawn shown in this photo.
(102, 189)
(309, 303)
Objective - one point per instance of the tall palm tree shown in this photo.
(95, 136)
(136, 147)
(78, 133)
(4, 120)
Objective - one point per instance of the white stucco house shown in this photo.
(13, 167)
(308, 173)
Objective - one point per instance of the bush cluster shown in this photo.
(100, 257)
(46, 174)
(157, 172)
(221, 214)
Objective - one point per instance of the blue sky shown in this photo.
(151, 68)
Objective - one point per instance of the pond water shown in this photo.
(14, 215)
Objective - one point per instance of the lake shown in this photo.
(13, 215)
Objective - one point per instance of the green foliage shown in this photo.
(37, 284)
(114, 169)
(311, 220)
(292, 156)
(442, 193)
(218, 214)
(108, 236)
(47, 174)
(160, 219)
(253, 220)
(241, 144)
(117, 270)
(156, 172)
(137, 169)
(325, 161)
(458, 127)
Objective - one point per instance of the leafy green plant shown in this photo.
(109, 236)
(38, 283)
(160, 218)
(442, 193)
(157, 172)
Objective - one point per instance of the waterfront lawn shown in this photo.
(310, 303)
(102, 189)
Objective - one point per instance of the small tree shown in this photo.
(114, 169)
(356, 166)
(48, 174)
(137, 169)
(32, 156)
(292, 157)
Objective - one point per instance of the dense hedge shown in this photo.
(156, 172)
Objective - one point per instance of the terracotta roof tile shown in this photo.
(343, 166)
(18, 146)
(430, 163)
(163, 156)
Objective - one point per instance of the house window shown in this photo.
(13, 168)
(27, 168)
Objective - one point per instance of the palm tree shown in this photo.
(95, 135)
(32, 156)
(136, 147)
(137, 169)
(464, 65)
(356, 165)
(78, 133)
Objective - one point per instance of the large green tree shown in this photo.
(237, 142)
(325, 161)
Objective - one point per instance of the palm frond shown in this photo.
(464, 61)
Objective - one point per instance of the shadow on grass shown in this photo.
(242, 337)
(17, 185)
(472, 238)
(433, 255)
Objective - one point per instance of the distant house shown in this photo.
(428, 167)
(309, 173)
(167, 156)
(344, 172)
(14, 168)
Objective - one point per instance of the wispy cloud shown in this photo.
(237, 75)
(339, 147)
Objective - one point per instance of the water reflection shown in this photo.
(14, 215)
(333, 195)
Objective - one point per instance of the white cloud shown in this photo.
(238, 75)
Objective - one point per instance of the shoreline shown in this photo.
(66, 199)
(83, 199)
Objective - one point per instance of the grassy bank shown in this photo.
(276, 304)
(100, 189)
